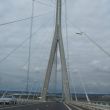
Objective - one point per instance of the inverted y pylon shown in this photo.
(57, 41)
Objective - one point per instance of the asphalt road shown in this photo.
(41, 106)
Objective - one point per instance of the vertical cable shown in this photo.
(67, 46)
(56, 70)
(30, 40)
(84, 88)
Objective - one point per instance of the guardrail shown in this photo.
(101, 103)
(91, 106)
(26, 101)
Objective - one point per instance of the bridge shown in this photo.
(23, 104)
(65, 102)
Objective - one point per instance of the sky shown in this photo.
(88, 65)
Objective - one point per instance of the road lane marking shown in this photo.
(67, 106)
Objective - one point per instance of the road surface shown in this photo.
(40, 106)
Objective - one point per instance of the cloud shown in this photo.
(95, 62)
(85, 58)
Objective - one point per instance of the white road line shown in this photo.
(67, 107)
(15, 106)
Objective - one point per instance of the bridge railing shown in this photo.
(101, 103)
(26, 101)
(91, 106)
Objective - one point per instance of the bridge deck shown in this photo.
(40, 106)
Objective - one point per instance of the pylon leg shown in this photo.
(57, 40)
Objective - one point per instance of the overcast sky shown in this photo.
(87, 63)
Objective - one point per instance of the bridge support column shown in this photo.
(57, 41)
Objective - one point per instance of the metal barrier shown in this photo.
(91, 106)
(26, 101)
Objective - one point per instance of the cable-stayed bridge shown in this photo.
(27, 101)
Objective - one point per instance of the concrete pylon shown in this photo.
(57, 41)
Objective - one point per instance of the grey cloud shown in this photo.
(92, 16)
